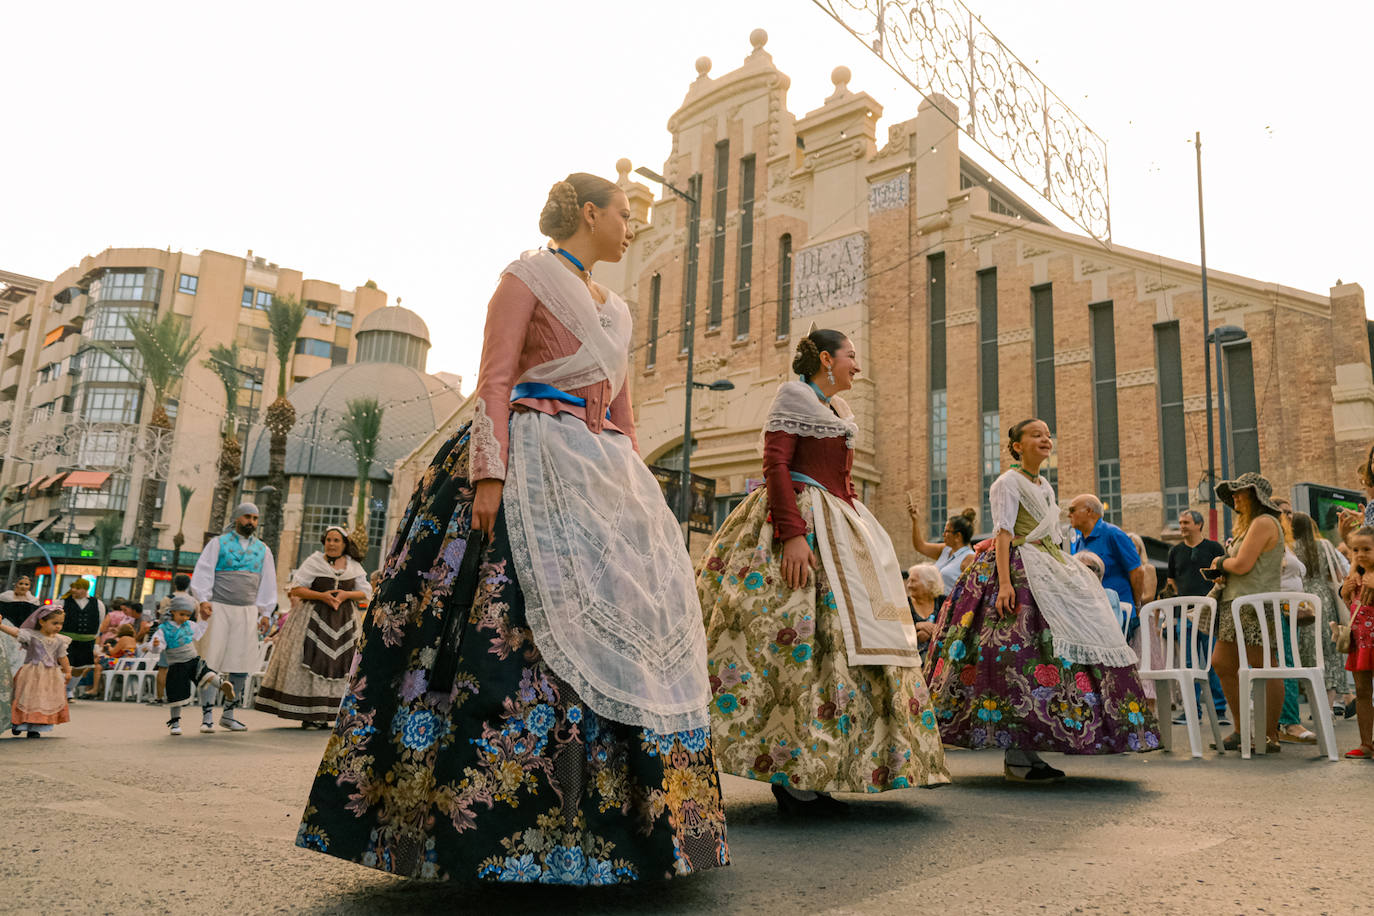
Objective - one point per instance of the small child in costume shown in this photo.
(185, 667)
(1358, 593)
(40, 685)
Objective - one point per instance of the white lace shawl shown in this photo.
(1083, 624)
(603, 330)
(317, 566)
(797, 410)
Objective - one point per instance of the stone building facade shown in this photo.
(969, 310)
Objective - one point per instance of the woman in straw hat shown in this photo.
(1253, 564)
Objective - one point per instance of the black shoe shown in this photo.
(1040, 771)
(789, 806)
(35, 734)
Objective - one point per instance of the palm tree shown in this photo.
(180, 538)
(165, 347)
(106, 535)
(224, 362)
(360, 427)
(284, 317)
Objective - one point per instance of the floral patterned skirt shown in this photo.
(509, 777)
(997, 683)
(787, 707)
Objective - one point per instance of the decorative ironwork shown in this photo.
(943, 48)
(77, 444)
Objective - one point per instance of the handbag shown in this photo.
(445, 668)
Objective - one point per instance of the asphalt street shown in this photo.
(110, 815)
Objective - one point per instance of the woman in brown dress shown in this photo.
(313, 653)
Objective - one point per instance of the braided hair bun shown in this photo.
(558, 220)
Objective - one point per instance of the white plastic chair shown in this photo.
(1268, 607)
(250, 692)
(116, 675)
(1182, 664)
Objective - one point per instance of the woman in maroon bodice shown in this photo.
(815, 675)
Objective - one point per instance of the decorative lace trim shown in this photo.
(798, 411)
(589, 630)
(484, 452)
(802, 426)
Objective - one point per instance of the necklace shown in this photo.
(586, 274)
(1017, 465)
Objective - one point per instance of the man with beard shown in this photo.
(235, 581)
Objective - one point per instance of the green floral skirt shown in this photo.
(787, 706)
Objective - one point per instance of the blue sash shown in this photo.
(802, 478)
(548, 393)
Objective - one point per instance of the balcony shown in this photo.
(16, 344)
(9, 379)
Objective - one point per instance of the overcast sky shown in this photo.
(413, 144)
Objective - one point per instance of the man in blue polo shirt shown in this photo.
(1125, 573)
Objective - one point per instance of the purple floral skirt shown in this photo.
(996, 683)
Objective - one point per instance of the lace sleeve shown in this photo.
(508, 318)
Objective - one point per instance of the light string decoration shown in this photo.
(942, 48)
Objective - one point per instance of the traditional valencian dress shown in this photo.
(1057, 675)
(15, 610)
(308, 672)
(817, 688)
(238, 576)
(575, 748)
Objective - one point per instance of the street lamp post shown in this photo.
(689, 312)
(1207, 360)
(1225, 334)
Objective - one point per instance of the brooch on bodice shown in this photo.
(605, 321)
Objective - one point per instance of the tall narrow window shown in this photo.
(744, 274)
(689, 276)
(651, 345)
(987, 387)
(1042, 317)
(1173, 449)
(1240, 399)
(939, 405)
(718, 209)
(785, 287)
(1104, 409)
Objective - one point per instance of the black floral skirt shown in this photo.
(508, 776)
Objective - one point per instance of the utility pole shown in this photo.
(1207, 358)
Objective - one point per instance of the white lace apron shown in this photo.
(610, 593)
(1083, 624)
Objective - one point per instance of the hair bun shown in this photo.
(807, 362)
(970, 513)
(558, 219)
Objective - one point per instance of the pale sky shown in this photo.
(413, 144)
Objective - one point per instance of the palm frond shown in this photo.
(361, 427)
(106, 536)
(285, 316)
(165, 347)
(224, 362)
(186, 493)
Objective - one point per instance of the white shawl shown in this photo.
(796, 409)
(1083, 624)
(604, 330)
(316, 566)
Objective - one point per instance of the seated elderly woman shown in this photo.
(924, 586)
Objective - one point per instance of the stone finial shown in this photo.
(840, 76)
(703, 67)
(622, 166)
(758, 38)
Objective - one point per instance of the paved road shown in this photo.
(111, 815)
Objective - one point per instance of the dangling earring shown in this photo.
(830, 375)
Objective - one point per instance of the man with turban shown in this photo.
(235, 581)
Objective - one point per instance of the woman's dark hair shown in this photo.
(181, 582)
(562, 211)
(350, 549)
(962, 524)
(1014, 436)
(135, 607)
(1366, 470)
(1305, 542)
(807, 362)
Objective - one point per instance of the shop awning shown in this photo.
(39, 483)
(42, 526)
(92, 480)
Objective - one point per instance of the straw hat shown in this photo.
(1258, 485)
